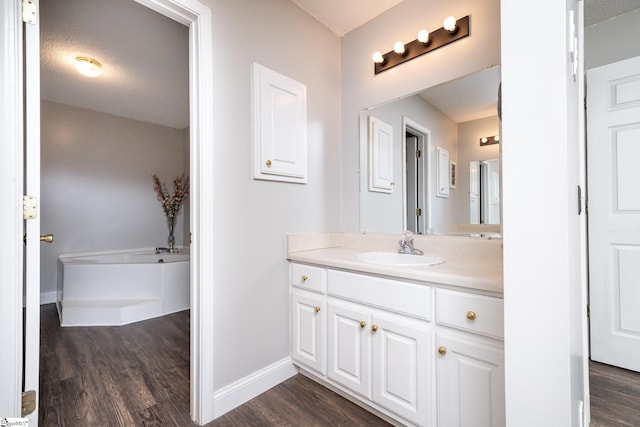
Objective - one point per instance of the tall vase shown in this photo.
(171, 241)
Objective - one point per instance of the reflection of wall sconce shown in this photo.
(489, 140)
(452, 30)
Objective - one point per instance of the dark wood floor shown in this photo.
(615, 396)
(138, 375)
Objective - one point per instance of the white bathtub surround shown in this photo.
(120, 287)
(469, 262)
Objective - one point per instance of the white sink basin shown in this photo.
(394, 258)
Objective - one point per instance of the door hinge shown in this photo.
(28, 402)
(29, 207)
(418, 154)
(418, 212)
(29, 12)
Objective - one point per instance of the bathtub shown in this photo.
(116, 288)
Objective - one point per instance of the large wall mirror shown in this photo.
(422, 165)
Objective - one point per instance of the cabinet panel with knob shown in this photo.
(470, 382)
(309, 277)
(308, 327)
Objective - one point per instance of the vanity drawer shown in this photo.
(474, 313)
(309, 277)
(393, 295)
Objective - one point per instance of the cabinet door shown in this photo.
(380, 156)
(348, 345)
(401, 369)
(470, 383)
(308, 331)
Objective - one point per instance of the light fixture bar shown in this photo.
(437, 39)
(489, 140)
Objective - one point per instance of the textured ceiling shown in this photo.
(600, 10)
(342, 16)
(145, 55)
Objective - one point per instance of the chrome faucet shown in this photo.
(163, 250)
(406, 244)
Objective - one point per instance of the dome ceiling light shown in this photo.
(88, 66)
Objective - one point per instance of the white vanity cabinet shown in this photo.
(420, 353)
(469, 366)
(308, 316)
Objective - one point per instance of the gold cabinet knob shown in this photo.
(442, 350)
(304, 278)
(374, 328)
(363, 324)
(316, 308)
(471, 315)
(47, 238)
(392, 183)
(268, 163)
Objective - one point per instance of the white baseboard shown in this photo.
(239, 392)
(47, 297)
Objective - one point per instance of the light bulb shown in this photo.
(450, 24)
(496, 138)
(398, 48)
(378, 58)
(88, 66)
(423, 36)
(484, 140)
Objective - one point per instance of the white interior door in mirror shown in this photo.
(442, 172)
(380, 156)
(279, 127)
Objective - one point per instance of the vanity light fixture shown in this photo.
(452, 31)
(88, 66)
(489, 140)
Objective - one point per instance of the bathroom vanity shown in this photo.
(421, 345)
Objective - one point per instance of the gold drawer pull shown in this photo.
(471, 315)
(363, 324)
(268, 162)
(442, 350)
(374, 328)
(316, 308)
(304, 278)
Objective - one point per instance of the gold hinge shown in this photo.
(29, 207)
(418, 154)
(418, 212)
(29, 12)
(28, 402)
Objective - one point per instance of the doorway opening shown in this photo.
(415, 175)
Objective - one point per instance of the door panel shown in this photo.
(613, 156)
(32, 188)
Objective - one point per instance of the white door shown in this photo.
(20, 158)
(32, 226)
(613, 159)
(474, 192)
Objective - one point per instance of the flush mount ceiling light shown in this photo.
(88, 66)
(451, 31)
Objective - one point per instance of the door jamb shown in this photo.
(425, 134)
(197, 17)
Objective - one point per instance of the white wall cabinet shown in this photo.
(383, 348)
(279, 127)
(442, 172)
(380, 156)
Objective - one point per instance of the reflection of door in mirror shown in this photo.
(414, 173)
(484, 191)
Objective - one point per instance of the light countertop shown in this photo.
(470, 263)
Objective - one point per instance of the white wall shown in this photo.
(544, 311)
(612, 40)
(381, 212)
(251, 217)
(361, 88)
(469, 149)
(97, 191)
